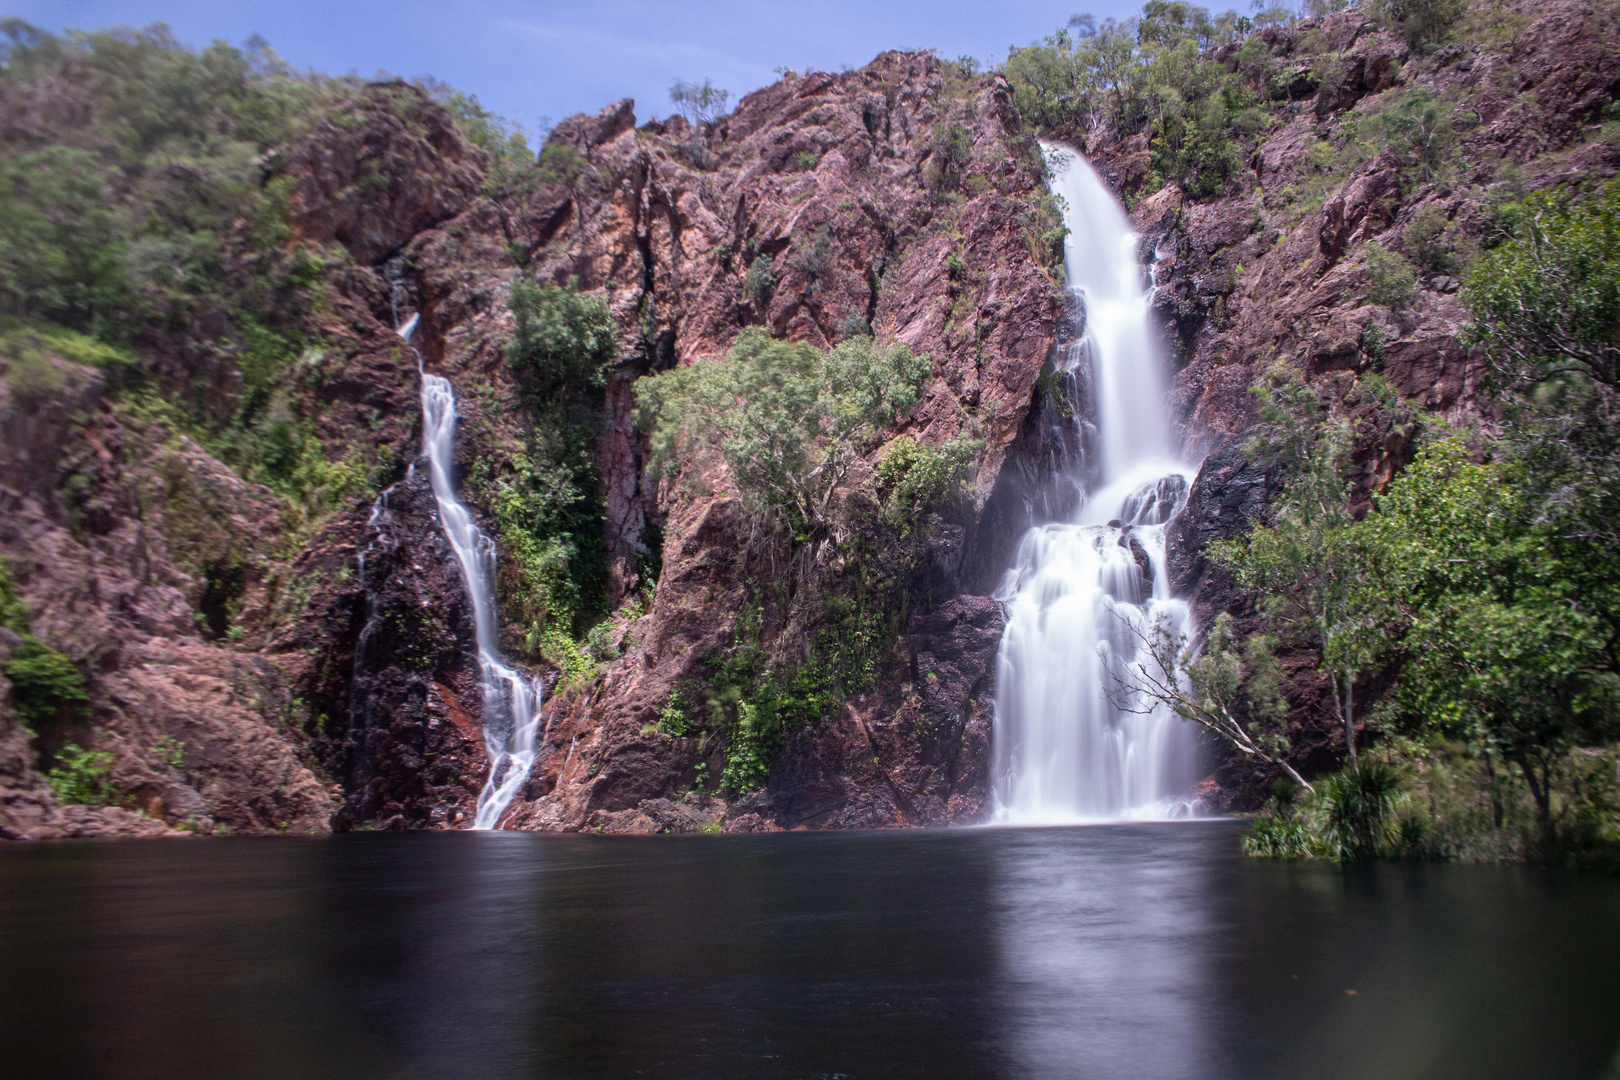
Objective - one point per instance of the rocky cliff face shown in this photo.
(1277, 268)
(832, 182)
(337, 652)
(318, 671)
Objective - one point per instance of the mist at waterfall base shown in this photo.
(511, 700)
(1106, 952)
(1072, 742)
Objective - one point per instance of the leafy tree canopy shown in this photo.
(785, 418)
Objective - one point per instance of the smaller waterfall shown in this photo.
(511, 701)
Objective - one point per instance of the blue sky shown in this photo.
(530, 58)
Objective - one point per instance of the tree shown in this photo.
(1206, 684)
(1547, 303)
(60, 253)
(1509, 641)
(786, 419)
(1317, 573)
(549, 507)
(563, 340)
(1420, 132)
(700, 103)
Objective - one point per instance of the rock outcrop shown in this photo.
(121, 546)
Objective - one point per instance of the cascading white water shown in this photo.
(1071, 742)
(511, 701)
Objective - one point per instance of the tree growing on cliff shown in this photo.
(700, 103)
(785, 419)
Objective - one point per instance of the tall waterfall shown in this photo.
(1069, 746)
(511, 701)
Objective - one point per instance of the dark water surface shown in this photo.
(1108, 952)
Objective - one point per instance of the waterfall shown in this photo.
(1069, 745)
(511, 701)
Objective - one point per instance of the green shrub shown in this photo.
(170, 750)
(80, 776)
(759, 284)
(918, 476)
(1371, 342)
(811, 260)
(1357, 807)
(1274, 836)
(1425, 242)
(672, 717)
(44, 682)
(1390, 281)
(851, 323)
(1420, 133)
(599, 641)
(561, 339)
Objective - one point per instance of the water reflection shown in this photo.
(437, 959)
(1118, 951)
(1100, 964)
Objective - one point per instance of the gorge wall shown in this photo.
(255, 667)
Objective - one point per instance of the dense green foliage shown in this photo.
(136, 204)
(44, 682)
(140, 205)
(80, 776)
(113, 212)
(787, 420)
(549, 510)
(1153, 74)
(918, 476)
(1548, 303)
